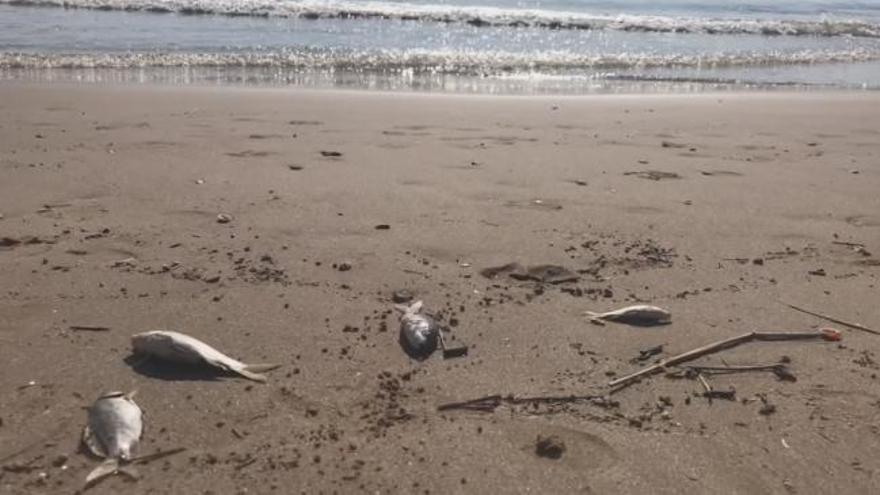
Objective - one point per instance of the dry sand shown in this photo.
(114, 192)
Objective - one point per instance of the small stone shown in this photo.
(758, 261)
(213, 280)
(59, 460)
(382, 226)
(343, 267)
(551, 447)
(402, 296)
(224, 218)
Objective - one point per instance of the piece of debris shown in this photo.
(855, 326)
(495, 271)
(819, 272)
(670, 144)
(343, 267)
(580, 182)
(401, 296)
(224, 218)
(90, 328)
(550, 274)
(639, 315)
(382, 226)
(551, 447)
(124, 262)
(181, 348)
(491, 402)
(113, 431)
(828, 334)
(720, 394)
(646, 354)
(780, 370)
(450, 352)
(418, 332)
(331, 153)
(295, 167)
(654, 174)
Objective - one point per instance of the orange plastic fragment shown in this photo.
(831, 334)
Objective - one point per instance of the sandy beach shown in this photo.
(717, 207)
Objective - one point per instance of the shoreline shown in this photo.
(715, 207)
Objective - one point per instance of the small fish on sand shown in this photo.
(113, 431)
(640, 315)
(418, 332)
(181, 348)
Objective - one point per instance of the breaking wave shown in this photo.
(435, 61)
(475, 16)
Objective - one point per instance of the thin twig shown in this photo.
(850, 244)
(157, 455)
(491, 402)
(705, 383)
(90, 328)
(832, 319)
(827, 334)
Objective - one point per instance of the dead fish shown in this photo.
(641, 315)
(113, 432)
(181, 348)
(418, 332)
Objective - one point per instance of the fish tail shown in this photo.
(261, 367)
(412, 309)
(130, 472)
(106, 468)
(250, 375)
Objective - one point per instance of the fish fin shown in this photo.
(106, 468)
(129, 472)
(412, 309)
(261, 367)
(91, 442)
(595, 318)
(250, 375)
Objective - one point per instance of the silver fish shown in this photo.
(640, 314)
(417, 331)
(181, 348)
(113, 432)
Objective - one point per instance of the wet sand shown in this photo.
(716, 207)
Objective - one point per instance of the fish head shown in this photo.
(148, 342)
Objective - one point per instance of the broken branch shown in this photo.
(825, 333)
(855, 326)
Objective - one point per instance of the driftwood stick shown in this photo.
(832, 319)
(827, 334)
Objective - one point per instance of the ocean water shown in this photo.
(487, 46)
